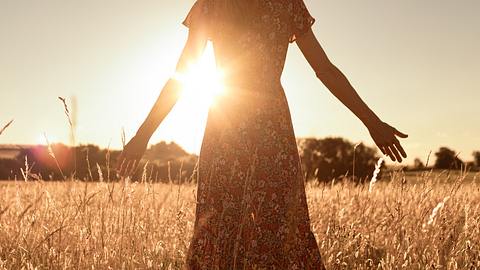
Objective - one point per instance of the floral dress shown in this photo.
(251, 209)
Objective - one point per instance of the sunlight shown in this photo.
(41, 139)
(201, 86)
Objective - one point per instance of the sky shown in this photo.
(415, 63)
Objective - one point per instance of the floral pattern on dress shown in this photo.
(251, 210)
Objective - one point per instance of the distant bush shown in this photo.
(447, 159)
(9, 168)
(418, 164)
(325, 159)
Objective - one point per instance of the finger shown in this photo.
(120, 160)
(400, 134)
(121, 167)
(400, 148)
(395, 152)
(128, 168)
(380, 146)
(389, 153)
(133, 168)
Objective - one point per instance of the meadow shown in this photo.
(424, 220)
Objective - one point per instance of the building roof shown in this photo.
(11, 151)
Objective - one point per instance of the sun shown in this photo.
(202, 84)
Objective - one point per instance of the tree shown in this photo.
(163, 152)
(447, 159)
(476, 158)
(167, 162)
(418, 164)
(330, 158)
(10, 168)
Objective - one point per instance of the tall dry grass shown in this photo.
(5, 127)
(408, 223)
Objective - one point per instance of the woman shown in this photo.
(251, 210)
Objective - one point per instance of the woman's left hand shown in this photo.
(385, 137)
(131, 155)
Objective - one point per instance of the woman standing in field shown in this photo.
(251, 210)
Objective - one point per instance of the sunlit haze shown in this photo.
(416, 63)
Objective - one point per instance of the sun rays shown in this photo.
(202, 83)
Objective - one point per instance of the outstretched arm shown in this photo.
(135, 148)
(171, 91)
(384, 136)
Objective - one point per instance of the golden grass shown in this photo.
(5, 127)
(76, 225)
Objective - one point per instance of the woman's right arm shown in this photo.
(135, 148)
(384, 136)
(170, 93)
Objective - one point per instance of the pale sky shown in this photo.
(416, 63)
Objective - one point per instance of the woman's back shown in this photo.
(252, 52)
(251, 205)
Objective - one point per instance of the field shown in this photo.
(422, 221)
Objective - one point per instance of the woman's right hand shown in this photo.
(131, 155)
(385, 137)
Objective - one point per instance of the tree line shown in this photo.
(447, 159)
(321, 159)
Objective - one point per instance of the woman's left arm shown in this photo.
(384, 135)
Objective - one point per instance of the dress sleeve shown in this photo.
(200, 16)
(302, 21)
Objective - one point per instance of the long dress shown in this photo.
(251, 209)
